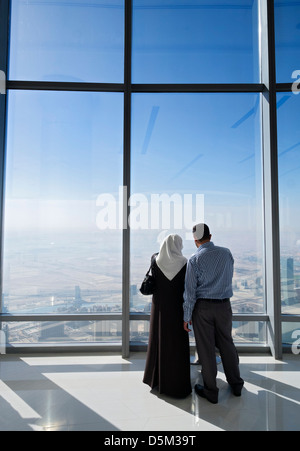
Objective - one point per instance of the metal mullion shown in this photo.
(198, 88)
(4, 31)
(64, 86)
(286, 318)
(126, 182)
(140, 88)
(270, 178)
(242, 348)
(63, 348)
(284, 87)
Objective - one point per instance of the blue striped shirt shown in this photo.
(208, 276)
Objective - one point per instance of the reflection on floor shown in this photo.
(105, 392)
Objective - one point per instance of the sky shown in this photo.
(195, 41)
(67, 40)
(287, 26)
(65, 149)
(173, 41)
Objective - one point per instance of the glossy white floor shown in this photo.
(101, 392)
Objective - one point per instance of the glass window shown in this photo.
(195, 42)
(197, 157)
(70, 40)
(243, 332)
(63, 332)
(139, 331)
(64, 152)
(249, 332)
(288, 113)
(287, 28)
(291, 336)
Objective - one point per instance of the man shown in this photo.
(208, 288)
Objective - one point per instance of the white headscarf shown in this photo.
(170, 259)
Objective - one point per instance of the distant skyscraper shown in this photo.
(288, 283)
(78, 300)
(77, 293)
(290, 268)
(133, 290)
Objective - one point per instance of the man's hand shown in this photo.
(186, 326)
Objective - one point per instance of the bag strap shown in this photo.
(148, 272)
(153, 259)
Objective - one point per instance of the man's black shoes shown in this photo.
(199, 389)
(237, 390)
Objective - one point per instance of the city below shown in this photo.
(35, 283)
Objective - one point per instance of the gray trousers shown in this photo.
(212, 323)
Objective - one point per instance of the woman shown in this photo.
(168, 357)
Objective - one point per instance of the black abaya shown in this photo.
(168, 357)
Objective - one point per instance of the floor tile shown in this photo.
(106, 393)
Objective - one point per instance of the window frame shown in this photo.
(268, 88)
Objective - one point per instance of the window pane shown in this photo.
(287, 28)
(288, 113)
(249, 332)
(291, 335)
(63, 332)
(139, 331)
(195, 155)
(63, 151)
(73, 40)
(246, 332)
(195, 42)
